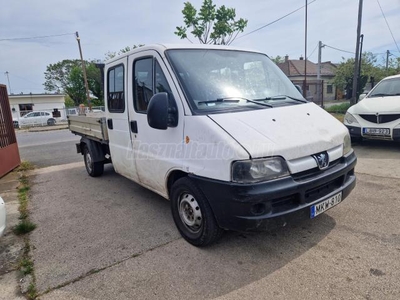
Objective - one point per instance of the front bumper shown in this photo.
(355, 132)
(260, 206)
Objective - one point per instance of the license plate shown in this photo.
(325, 205)
(376, 131)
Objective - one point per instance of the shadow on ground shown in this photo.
(98, 232)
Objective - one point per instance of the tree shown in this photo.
(370, 69)
(112, 54)
(67, 76)
(277, 59)
(210, 25)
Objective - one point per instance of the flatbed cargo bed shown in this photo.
(91, 126)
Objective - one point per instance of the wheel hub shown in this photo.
(190, 213)
(88, 161)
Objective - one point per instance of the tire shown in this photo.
(192, 214)
(94, 169)
(51, 122)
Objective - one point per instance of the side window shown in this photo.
(143, 83)
(161, 82)
(116, 89)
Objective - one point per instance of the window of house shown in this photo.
(329, 88)
(25, 108)
(116, 89)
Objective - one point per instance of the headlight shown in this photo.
(346, 144)
(257, 170)
(349, 118)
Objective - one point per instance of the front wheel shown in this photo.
(94, 169)
(51, 122)
(192, 214)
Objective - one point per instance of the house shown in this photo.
(21, 104)
(294, 69)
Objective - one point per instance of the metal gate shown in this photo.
(9, 154)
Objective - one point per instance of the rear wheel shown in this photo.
(192, 214)
(94, 169)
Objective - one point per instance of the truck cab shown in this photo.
(224, 135)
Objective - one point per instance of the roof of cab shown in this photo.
(162, 47)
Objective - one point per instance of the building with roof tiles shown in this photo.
(294, 69)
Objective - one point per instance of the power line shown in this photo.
(338, 49)
(36, 37)
(383, 14)
(312, 52)
(274, 21)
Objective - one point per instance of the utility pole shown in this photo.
(84, 71)
(305, 56)
(8, 80)
(387, 60)
(355, 75)
(359, 66)
(319, 86)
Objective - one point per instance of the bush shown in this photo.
(339, 108)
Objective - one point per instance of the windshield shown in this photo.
(387, 87)
(227, 80)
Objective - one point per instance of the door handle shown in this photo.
(110, 124)
(134, 128)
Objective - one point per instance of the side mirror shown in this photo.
(157, 111)
(362, 96)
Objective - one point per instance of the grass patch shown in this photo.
(32, 293)
(338, 108)
(26, 266)
(25, 166)
(23, 197)
(340, 117)
(24, 226)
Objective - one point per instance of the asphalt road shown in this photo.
(108, 238)
(48, 148)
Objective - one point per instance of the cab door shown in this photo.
(156, 151)
(116, 89)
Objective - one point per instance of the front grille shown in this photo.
(379, 119)
(314, 172)
(323, 190)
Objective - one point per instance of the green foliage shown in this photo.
(278, 59)
(112, 54)
(369, 68)
(23, 227)
(210, 25)
(69, 102)
(338, 108)
(26, 266)
(67, 76)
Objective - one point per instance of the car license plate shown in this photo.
(325, 205)
(376, 131)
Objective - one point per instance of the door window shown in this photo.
(148, 71)
(115, 89)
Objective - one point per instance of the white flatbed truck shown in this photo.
(222, 133)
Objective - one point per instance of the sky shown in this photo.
(111, 25)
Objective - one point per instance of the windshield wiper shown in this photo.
(235, 99)
(283, 97)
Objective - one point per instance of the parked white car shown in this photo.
(2, 216)
(377, 116)
(35, 118)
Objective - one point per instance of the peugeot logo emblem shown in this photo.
(322, 160)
